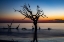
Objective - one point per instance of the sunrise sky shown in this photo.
(54, 9)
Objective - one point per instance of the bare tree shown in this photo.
(26, 11)
(9, 26)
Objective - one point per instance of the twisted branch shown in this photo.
(27, 9)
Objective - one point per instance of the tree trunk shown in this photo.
(35, 32)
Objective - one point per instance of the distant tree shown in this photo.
(9, 26)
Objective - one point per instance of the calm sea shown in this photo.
(29, 25)
(16, 36)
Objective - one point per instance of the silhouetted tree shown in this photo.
(9, 26)
(26, 11)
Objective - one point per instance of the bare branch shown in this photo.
(39, 11)
(24, 18)
(44, 15)
(29, 5)
(26, 10)
(20, 12)
(38, 6)
(25, 6)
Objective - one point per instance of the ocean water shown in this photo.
(55, 35)
(29, 25)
